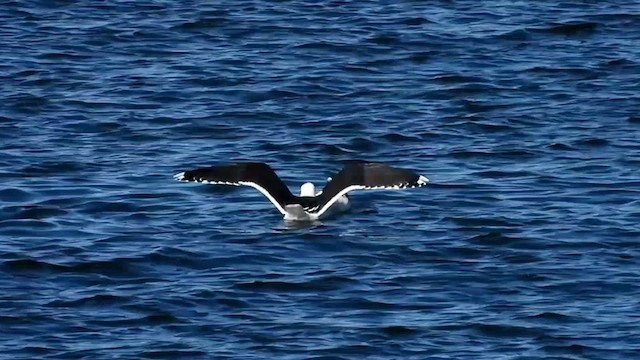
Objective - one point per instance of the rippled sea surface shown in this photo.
(524, 115)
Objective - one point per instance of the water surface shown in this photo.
(524, 115)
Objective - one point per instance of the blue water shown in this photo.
(524, 115)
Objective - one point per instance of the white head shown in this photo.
(307, 189)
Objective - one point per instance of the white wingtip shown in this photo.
(422, 180)
(179, 176)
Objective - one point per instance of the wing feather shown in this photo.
(364, 175)
(260, 176)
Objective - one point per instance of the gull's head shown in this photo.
(307, 189)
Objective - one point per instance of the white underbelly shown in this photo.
(297, 213)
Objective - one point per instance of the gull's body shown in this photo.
(295, 212)
(310, 205)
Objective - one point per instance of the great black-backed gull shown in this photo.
(309, 205)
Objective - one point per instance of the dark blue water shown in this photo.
(524, 115)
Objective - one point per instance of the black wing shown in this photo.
(363, 175)
(257, 175)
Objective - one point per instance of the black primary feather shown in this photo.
(235, 174)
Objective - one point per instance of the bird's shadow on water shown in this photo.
(291, 225)
(298, 225)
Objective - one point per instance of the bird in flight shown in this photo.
(309, 205)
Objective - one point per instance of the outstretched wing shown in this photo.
(257, 175)
(363, 175)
